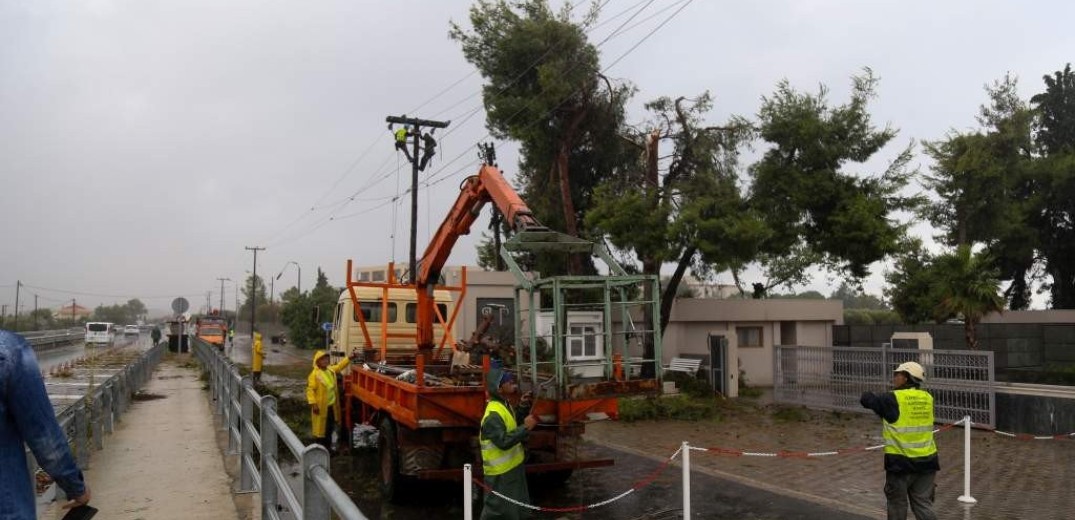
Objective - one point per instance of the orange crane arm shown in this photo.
(487, 186)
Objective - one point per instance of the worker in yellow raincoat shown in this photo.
(323, 397)
(257, 357)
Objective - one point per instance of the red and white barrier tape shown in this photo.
(1029, 437)
(638, 485)
(785, 454)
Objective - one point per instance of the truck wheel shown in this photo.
(388, 448)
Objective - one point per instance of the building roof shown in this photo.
(706, 309)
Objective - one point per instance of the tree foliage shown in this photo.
(544, 89)
(968, 288)
(303, 313)
(1011, 186)
(129, 312)
(816, 212)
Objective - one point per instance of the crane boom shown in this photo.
(478, 190)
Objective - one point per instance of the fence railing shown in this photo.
(86, 420)
(961, 381)
(255, 433)
(48, 338)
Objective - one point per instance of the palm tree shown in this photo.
(968, 286)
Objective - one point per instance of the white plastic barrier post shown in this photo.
(686, 480)
(468, 494)
(965, 497)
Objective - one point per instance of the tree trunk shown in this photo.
(562, 155)
(969, 333)
(669, 296)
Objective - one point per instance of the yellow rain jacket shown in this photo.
(258, 355)
(321, 390)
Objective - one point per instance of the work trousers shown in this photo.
(330, 426)
(916, 487)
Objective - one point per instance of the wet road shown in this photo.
(711, 497)
(46, 359)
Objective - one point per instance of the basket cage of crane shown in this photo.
(583, 337)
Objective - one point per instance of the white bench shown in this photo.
(685, 365)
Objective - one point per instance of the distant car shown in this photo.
(130, 330)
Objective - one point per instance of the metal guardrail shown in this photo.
(86, 420)
(235, 401)
(45, 338)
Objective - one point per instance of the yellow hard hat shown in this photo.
(912, 368)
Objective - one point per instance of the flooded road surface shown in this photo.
(47, 359)
(711, 497)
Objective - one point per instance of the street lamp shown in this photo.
(298, 281)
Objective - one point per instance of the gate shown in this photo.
(961, 381)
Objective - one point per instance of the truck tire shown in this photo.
(388, 450)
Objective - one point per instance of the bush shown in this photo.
(690, 384)
(676, 407)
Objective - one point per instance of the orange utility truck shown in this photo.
(424, 392)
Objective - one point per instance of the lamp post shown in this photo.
(298, 280)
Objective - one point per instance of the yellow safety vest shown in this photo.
(496, 461)
(912, 434)
(401, 135)
(329, 378)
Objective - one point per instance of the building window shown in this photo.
(582, 343)
(749, 337)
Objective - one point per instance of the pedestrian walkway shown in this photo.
(163, 460)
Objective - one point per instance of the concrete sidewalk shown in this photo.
(164, 460)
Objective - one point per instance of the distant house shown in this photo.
(749, 330)
(67, 311)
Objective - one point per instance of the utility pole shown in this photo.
(208, 305)
(254, 289)
(3, 314)
(416, 164)
(72, 310)
(35, 311)
(222, 280)
(18, 285)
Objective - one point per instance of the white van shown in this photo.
(100, 333)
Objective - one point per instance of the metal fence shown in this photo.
(253, 424)
(89, 417)
(50, 338)
(961, 381)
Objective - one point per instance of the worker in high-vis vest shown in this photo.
(502, 440)
(910, 452)
(322, 394)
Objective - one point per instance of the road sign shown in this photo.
(180, 305)
(326, 326)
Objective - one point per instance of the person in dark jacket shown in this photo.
(28, 419)
(502, 448)
(911, 461)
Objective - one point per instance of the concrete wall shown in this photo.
(1035, 415)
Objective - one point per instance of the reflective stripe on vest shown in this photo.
(328, 377)
(496, 461)
(912, 434)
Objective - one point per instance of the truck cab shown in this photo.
(398, 318)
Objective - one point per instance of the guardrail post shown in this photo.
(268, 452)
(81, 442)
(468, 493)
(965, 497)
(314, 504)
(246, 445)
(686, 480)
(106, 406)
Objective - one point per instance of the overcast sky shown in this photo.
(144, 144)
